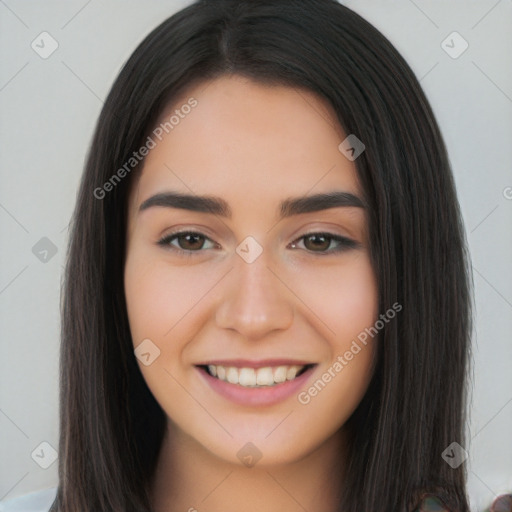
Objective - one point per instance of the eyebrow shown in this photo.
(218, 206)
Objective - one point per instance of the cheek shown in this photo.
(147, 300)
(344, 297)
(346, 301)
(161, 299)
(159, 295)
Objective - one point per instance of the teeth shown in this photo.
(280, 374)
(251, 377)
(232, 375)
(291, 372)
(247, 377)
(221, 373)
(264, 376)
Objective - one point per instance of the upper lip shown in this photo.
(260, 363)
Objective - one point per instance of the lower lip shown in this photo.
(268, 395)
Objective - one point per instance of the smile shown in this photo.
(256, 377)
(261, 383)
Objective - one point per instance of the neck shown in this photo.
(191, 478)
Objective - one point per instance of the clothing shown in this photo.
(431, 503)
(39, 501)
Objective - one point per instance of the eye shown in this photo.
(187, 241)
(322, 243)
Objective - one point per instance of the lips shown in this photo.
(256, 383)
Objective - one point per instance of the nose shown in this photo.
(254, 300)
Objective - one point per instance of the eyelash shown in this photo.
(345, 243)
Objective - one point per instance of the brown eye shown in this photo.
(187, 241)
(321, 243)
(317, 242)
(190, 242)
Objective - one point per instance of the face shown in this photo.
(245, 312)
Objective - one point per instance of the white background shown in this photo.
(49, 109)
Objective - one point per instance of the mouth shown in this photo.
(250, 383)
(249, 377)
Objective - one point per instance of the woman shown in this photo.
(267, 297)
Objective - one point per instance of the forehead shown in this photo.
(247, 142)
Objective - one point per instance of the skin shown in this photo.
(254, 146)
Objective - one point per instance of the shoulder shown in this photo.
(39, 501)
